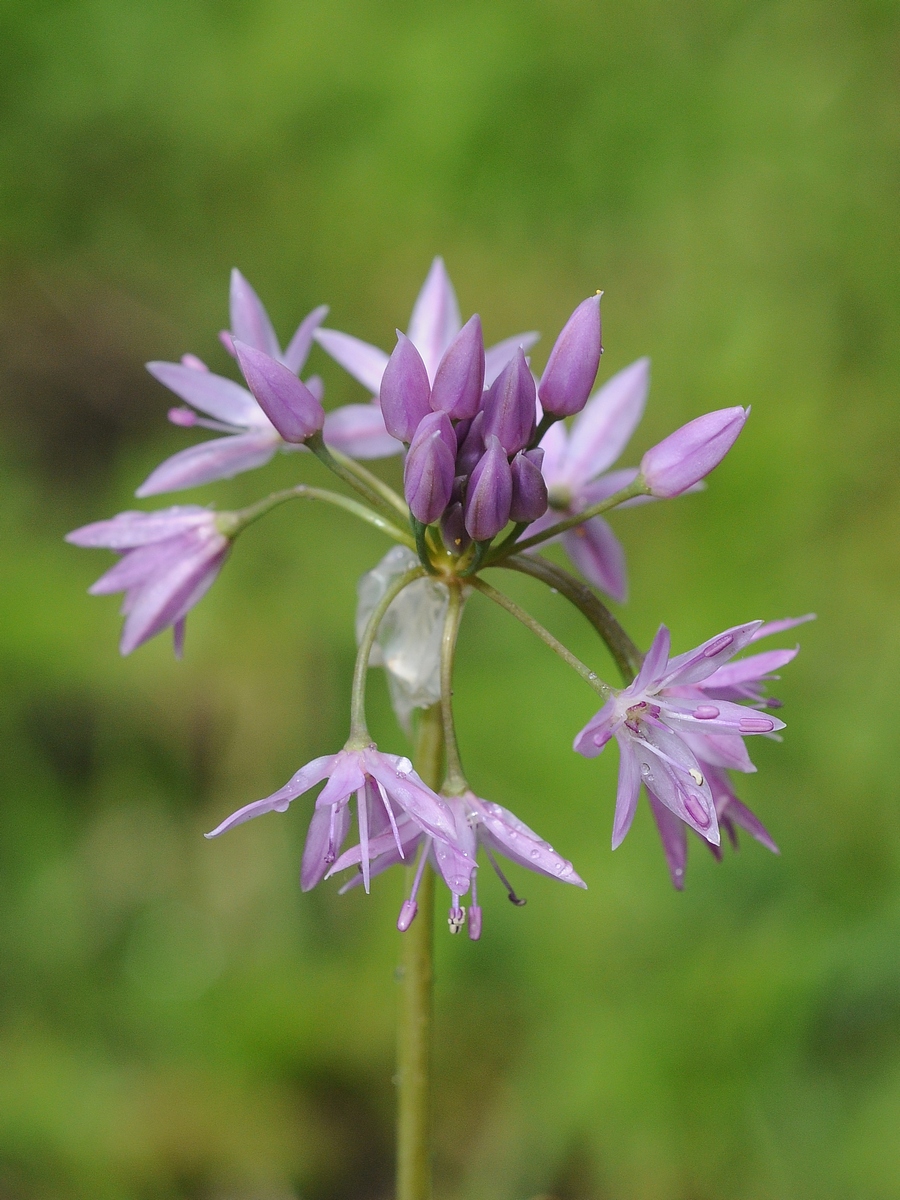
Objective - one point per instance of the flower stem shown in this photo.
(357, 477)
(359, 734)
(232, 524)
(415, 976)
(590, 677)
(371, 480)
(627, 656)
(455, 781)
(637, 488)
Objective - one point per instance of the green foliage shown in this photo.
(178, 1021)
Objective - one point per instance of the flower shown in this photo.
(664, 718)
(169, 560)
(575, 462)
(251, 439)
(691, 452)
(477, 822)
(434, 324)
(388, 791)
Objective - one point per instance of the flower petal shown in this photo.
(497, 356)
(301, 781)
(628, 789)
(214, 394)
(358, 430)
(220, 458)
(249, 320)
(364, 362)
(597, 553)
(698, 664)
(601, 432)
(435, 319)
(130, 529)
(301, 343)
(673, 835)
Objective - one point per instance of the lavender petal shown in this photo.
(220, 458)
(364, 362)
(249, 320)
(214, 394)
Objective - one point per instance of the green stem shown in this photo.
(637, 488)
(590, 677)
(234, 523)
(359, 734)
(371, 480)
(627, 656)
(416, 975)
(455, 781)
(356, 476)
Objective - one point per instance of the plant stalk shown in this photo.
(415, 976)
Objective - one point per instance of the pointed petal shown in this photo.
(308, 776)
(741, 815)
(720, 750)
(654, 663)
(670, 768)
(364, 362)
(166, 598)
(301, 343)
(555, 444)
(591, 740)
(698, 664)
(628, 789)
(597, 553)
(719, 716)
(130, 529)
(220, 458)
(249, 320)
(214, 394)
(408, 790)
(772, 627)
(358, 430)
(347, 776)
(602, 431)
(435, 319)
(497, 356)
(315, 862)
(673, 835)
(286, 400)
(749, 670)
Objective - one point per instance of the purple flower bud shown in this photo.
(460, 375)
(471, 445)
(509, 406)
(572, 366)
(288, 403)
(405, 391)
(453, 529)
(489, 494)
(691, 452)
(529, 491)
(428, 474)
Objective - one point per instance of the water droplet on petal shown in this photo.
(645, 770)
(535, 854)
(404, 766)
(282, 806)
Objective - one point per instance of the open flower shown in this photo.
(478, 823)
(661, 722)
(169, 560)
(389, 793)
(576, 471)
(434, 324)
(251, 439)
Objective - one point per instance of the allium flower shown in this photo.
(691, 452)
(660, 722)
(169, 560)
(575, 462)
(434, 324)
(478, 823)
(388, 790)
(229, 408)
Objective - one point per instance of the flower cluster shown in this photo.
(492, 475)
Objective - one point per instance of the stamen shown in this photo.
(390, 813)
(362, 817)
(718, 645)
(408, 910)
(330, 853)
(456, 918)
(518, 901)
(756, 725)
(705, 712)
(474, 913)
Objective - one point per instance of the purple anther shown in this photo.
(474, 922)
(697, 809)
(459, 380)
(572, 366)
(529, 490)
(408, 910)
(691, 452)
(510, 405)
(489, 495)
(705, 712)
(756, 725)
(289, 404)
(405, 394)
(185, 417)
(471, 445)
(428, 473)
(717, 645)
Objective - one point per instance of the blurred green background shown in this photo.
(178, 1021)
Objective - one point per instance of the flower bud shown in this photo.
(428, 473)
(529, 491)
(453, 528)
(489, 494)
(289, 404)
(471, 445)
(509, 406)
(459, 380)
(405, 392)
(572, 366)
(691, 452)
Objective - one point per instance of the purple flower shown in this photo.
(169, 560)
(572, 366)
(251, 439)
(575, 468)
(510, 405)
(389, 793)
(428, 472)
(405, 391)
(288, 403)
(434, 324)
(691, 452)
(489, 494)
(666, 724)
(477, 823)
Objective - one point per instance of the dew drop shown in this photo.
(645, 770)
(535, 854)
(404, 766)
(282, 806)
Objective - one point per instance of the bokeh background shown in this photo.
(177, 1020)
